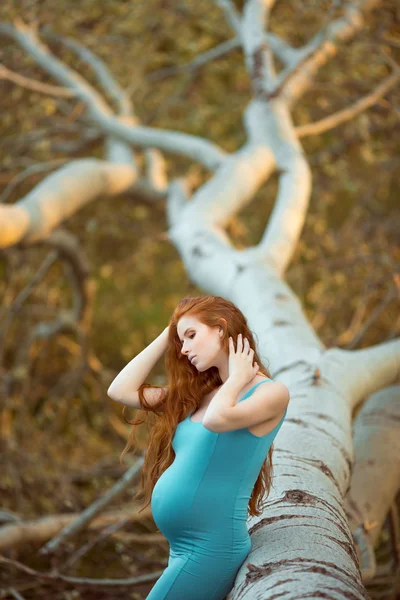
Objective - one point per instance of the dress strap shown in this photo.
(254, 387)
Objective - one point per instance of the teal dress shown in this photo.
(200, 505)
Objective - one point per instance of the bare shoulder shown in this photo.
(266, 404)
(281, 388)
(277, 386)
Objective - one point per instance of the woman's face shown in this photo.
(201, 342)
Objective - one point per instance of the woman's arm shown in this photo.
(124, 387)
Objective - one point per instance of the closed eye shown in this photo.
(190, 337)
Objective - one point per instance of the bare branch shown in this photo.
(232, 16)
(373, 368)
(272, 143)
(60, 195)
(373, 317)
(84, 581)
(27, 39)
(40, 530)
(199, 61)
(103, 74)
(301, 55)
(177, 201)
(156, 175)
(199, 149)
(33, 169)
(271, 124)
(25, 292)
(376, 466)
(342, 116)
(36, 86)
(103, 535)
(294, 81)
(75, 320)
(87, 137)
(118, 150)
(156, 170)
(92, 511)
(282, 49)
(56, 125)
(87, 140)
(257, 52)
(100, 113)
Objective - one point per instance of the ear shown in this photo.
(221, 331)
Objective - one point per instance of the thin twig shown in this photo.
(346, 114)
(85, 581)
(91, 543)
(199, 61)
(16, 594)
(36, 86)
(94, 509)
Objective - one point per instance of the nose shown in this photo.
(184, 351)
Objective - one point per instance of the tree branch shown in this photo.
(257, 52)
(199, 61)
(372, 368)
(232, 16)
(272, 123)
(296, 80)
(40, 530)
(342, 116)
(100, 113)
(102, 72)
(36, 86)
(156, 175)
(286, 54)
(376, 467)
(94, 509)
(60, 195)
(82, 581)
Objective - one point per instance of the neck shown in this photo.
(223, 369)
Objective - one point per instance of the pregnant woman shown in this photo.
(209, 458)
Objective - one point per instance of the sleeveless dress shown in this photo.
(200, 505)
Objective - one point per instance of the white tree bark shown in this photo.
(375, 478)
(307, 541)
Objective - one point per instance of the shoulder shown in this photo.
(273, 385)
(274, 392)
(266, 402)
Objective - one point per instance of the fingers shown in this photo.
(239, 345)
(242, 345)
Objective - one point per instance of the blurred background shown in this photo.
(61, 436)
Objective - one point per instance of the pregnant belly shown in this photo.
(188, 506)
(171, 503)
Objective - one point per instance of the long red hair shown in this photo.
(186, 388)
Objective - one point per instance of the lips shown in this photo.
(193, 357)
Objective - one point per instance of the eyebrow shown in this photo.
(185, 332)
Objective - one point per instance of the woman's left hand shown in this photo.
(241, 362)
